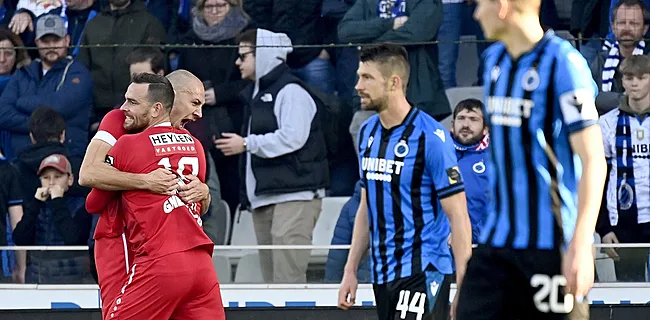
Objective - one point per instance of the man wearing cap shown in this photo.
(54, 218)
(54, 80)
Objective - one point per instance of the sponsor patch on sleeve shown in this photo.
(453, 175)
(110, 160)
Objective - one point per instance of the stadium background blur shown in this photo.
(111, 38)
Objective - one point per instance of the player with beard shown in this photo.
(412, 195)
(172, 275)
(471, 139)
(111, 251)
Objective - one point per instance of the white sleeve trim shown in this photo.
(106, 137)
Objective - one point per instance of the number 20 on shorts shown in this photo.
(416, 304)
(550, 288)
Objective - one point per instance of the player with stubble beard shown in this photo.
(112, 253)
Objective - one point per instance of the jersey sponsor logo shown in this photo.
(381, 169)
(641, 148)
(172, 143)
(508, 111)
(453, 175)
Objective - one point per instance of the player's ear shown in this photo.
(157, 109)
(503, 8)
(70, 179)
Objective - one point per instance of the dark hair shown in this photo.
(248, 36)
(22, 58)
(159, 89)
(45, 125)
(635, 65)
(391, 58)
(470, 105)
(632, 3)
(147, 54)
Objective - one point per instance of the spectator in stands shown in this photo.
(75, 12)
(126, 22)
(336, 258)
(630, 23)
(404, 22)
(10, 57)
(47, 133)
(470, 134)
(285, 168)
(13, 263)
(55, 80)
(589, 20)
(456, 21)
(218, 22)
(55, 218)
(625, 217)
(610, 15)
(301, 21)
(344, 59)
(146, 60)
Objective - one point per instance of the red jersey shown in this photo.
(160, 224)
(111, 222)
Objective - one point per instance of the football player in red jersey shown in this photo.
(172, 275)
(111, 252)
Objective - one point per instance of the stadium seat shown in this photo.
(605, 268)
(249, 269)
(223, 268)
(324, 228)
(228, 221)
(243, 231)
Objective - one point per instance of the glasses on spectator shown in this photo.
(220, 5)
(242, 56)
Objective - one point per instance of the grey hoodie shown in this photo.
(294, 110)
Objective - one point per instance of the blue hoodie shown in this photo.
(471, 161)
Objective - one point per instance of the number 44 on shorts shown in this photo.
(416, 304)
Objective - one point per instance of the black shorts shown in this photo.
(504, 284)
(424, 296)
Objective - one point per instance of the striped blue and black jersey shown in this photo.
(406, 170)
(534, 104)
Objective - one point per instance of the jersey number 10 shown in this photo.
(193, 162)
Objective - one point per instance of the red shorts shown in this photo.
(178, 286)
(112, 259)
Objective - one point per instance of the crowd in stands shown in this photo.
(278, 122)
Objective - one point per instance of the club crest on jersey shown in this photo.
(530, 80)
(479, 167)
(640, 134)
(172, 143)
(496, 72)
(401, 149)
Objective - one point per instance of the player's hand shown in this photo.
(611, 238)
(56, 192)
(193, 192)
(231, 144)
(578, 269)
(348, 291)
(162, 181)
(42, 193)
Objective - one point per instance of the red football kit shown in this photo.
(172, 275)
(112, 254)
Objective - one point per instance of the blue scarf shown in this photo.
(626, 204)
(387, 9)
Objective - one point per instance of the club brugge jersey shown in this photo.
(534, 104)
(405, 171)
